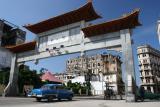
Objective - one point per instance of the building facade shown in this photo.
(5, 58)
(10, 34)
(103, 68)
(149, 66)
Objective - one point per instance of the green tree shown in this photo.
(4, 76)
(77, 86)
(28, 77)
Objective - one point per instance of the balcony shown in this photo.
(140, 64)
(144, 84)
(147, 69)
(141, 76)
(146, 63)
(150, 75)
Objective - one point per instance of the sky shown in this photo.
(21, 12)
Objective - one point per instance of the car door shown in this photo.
(61, 93)
(53, 90)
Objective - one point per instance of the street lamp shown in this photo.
(158, 30)
(88, 76)
(107, 83)
(101, 78)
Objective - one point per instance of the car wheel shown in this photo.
(70, 98)
(59, 99)
(38, 99)
(50, 98)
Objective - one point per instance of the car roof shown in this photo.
(53, 85)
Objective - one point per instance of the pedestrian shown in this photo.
(25, 93)
(142, 91)
(109, 93)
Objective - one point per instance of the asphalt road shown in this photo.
(77, 102)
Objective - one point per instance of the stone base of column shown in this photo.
(130, 98)
(11, 90)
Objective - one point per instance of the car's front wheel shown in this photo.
(70, 97)
(38, 99)
(50, 98)
(59, 99)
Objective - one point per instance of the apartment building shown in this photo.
(96, 64)
(149, 66)
(10, 34)
(102, 67)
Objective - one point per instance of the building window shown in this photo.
(144, 61)
(143, 50)
(144, 55)
(89, 65)
(75, 31)
(142, 81)
(93, 71)
(146, 73)
(93, 65)
(43, 41)
(147, 80)
(149, 89)
(145, 66)
(114, 68)
(139, 56)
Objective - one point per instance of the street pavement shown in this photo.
(77, 102)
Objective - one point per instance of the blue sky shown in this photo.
(21, 12)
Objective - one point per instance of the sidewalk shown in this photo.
(123, 103)
(90, 97)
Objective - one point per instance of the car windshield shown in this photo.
(60, 87)
(45, 87)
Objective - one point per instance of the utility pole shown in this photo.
(158, 30)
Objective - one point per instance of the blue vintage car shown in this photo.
(50, 92)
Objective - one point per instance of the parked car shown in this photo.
(50, 92)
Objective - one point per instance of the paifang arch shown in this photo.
(71, 33)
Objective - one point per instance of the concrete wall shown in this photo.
(60, 36)
(5, 58)
(79, 79)
(97, 87)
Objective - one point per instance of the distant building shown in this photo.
(105, 68)
(64, 77)
(149, 66)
